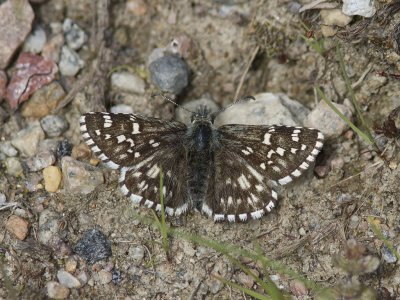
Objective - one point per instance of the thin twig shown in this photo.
(253, 55)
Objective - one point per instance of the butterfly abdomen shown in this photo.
(199, 155)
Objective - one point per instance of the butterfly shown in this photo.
(228, 172)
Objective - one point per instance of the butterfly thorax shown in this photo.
(200, 154)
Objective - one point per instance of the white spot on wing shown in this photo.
(153, 172)
(83, 127)
(257, 214)
(243, 182)
(296, 173)
(318, 145)
(135, 128)
(295, 138)
(107, 125)
(280, 151)
(136, 198)
(274, 195)
(231, 218)
(285, 180)
(121, 138)
(320, 136)
(262, 166)
(304, 166)
(270, 206)
(206, 209)
(85, 135)
(267, 139)
(218, 217)
(243, 217)
(97, 132)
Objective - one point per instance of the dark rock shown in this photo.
(93, 246)
(64, 148)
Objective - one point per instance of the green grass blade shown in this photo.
(364, 136)
(380, 235)
(163, 225)
(359, 113)
(247, 291)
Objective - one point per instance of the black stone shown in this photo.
(93, 246)
(64, 148)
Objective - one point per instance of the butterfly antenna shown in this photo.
(166, 98)
(243, 99)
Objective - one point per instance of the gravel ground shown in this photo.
(68, 231)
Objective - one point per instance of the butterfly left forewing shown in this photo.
(124, 140)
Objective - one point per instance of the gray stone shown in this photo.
(169, 73)
(48, 145)
(365, 8)
(387, 255)
(127, 82)
(27, 140)
(56, 290)
(48, 227)
(74, 35)
(136, 253)
(104, 277)
(35, 41)
(121, 109)
(68, 279)
(327, 121)
(53, 125)
(13, 28)
(70, 62)
(80, 177)
(13, 166)
(8, 149)
(40, 161)
(267, 109)
(184, 116)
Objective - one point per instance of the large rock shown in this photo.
(15, 24)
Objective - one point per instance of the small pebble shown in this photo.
(13, 29)
(68, 280)
(71, 264)
(365, 8)
(56, 290)
(52, 178)
(64, 148)
(81, 151)
(8, 149)
(105, 277)
(27, 140)
(136, 7)
(70, 62)
(169, 73)
(136, 253)
(116, 276)
(35, 41)
(247, 280)
(53, 125)
(337, 163)
(74, 35)
(83, 277)
(43, 101)
(298, 288)
(334, 17)
(302, 231)
(322, 171)
(387, 255)
(52, 49)
(80, 177)
(17, 226)
(40, 161)
(14, 166)
(93, 246)
(48, 228)
(127, 82)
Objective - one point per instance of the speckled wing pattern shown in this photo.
(248, 162)
(251, 161)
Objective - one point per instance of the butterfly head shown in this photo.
(202, 115)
